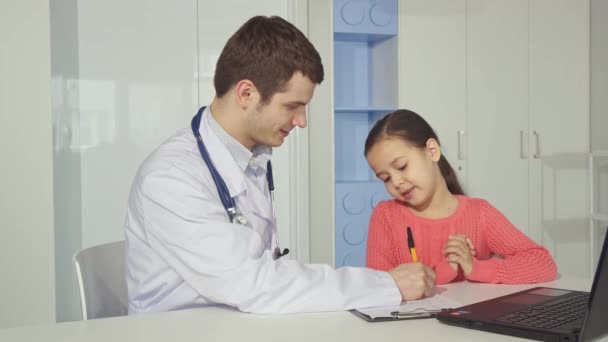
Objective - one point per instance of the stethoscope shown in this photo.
(228, 201)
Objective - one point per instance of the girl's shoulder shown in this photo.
(475, 203)
(467, 206)
(471, 200)
(392, 210)
(387, 205)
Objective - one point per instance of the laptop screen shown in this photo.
(595, 325)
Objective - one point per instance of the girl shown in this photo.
(458, 236)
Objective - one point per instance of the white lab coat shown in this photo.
(183, 252)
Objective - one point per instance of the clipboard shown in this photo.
(398, 316)
(427, 307)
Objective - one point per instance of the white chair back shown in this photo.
(100, 271)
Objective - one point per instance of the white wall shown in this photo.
(27, 283)
(599, 75)
(321, 128)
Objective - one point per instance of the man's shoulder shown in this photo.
(176, 159)
(178, 150)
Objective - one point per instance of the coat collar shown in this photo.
(232, 173)
(223, 161)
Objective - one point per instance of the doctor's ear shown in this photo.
(246, 93)
(433, 149)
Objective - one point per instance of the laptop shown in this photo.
(543, 313)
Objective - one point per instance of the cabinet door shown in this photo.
(432, 71)
(559, 126)
(497, 100)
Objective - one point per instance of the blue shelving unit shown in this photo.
(365, 69)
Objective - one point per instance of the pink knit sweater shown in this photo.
(503, 253)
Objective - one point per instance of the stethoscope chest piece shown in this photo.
(240, 219)
(228, 201)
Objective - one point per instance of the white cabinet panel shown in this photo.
(559, 126)
(497, 73)
(559, 75)
(432, 71)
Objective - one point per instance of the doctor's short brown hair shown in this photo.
(267, 51)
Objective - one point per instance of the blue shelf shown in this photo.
(377, 17)
(354, 203)
(361, 37)
(365, 89)
(363, 109)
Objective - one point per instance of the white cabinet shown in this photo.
(526, 118)
(518, 78)
(465, 69)
(432, 71)
(497, 101)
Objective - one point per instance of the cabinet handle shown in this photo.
(461, 155)
(537, 139)
(523, 144)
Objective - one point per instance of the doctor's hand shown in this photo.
(415, 280)
(459, 251)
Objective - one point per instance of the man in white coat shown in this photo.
(183, 248)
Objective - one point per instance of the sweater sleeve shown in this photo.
(444, 273)
(383, 250)
(380, 245)
(523, 261)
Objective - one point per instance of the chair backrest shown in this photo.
(101, 279)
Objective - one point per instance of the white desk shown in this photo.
(220, 324)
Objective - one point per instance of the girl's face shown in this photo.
(410, 174)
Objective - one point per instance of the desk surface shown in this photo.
(221, 324)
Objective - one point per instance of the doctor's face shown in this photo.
(271, 123)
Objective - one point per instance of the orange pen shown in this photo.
(411, 245)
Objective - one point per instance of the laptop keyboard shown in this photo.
(551, 314)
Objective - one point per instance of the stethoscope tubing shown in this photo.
(227, 200)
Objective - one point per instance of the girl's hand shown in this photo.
(459, 251)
